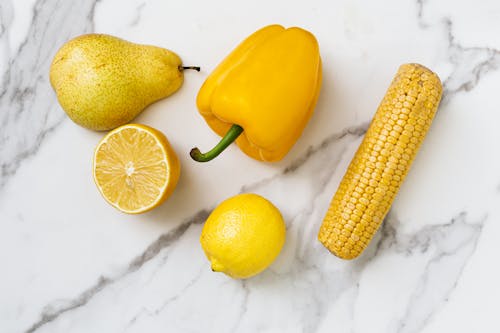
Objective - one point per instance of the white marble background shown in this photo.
(71, 263)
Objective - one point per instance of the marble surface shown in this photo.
(71, 263)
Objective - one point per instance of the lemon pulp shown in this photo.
(135, 168)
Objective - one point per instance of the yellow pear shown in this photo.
(103, 82)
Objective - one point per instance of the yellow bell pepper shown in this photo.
(263, 94)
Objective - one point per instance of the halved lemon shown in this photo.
(135, 168)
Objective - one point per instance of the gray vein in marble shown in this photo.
(138, 15)
(6, 17)
(166, 240)
(434, 233)
(424, 238)
(355, 131)
(420, 14)
(317, 308)
(51, 313)
(152, 313)
(244, 307)
(26, 98)
(352, 307)
(470, 63)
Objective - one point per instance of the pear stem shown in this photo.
(231, 135)
(196, 68)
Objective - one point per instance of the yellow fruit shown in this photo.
(135, 168)
(243, 235)
(103, 82)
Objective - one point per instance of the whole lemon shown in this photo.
(243, 235)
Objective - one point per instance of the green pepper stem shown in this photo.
(231, 135)
(196, 68)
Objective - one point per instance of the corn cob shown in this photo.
(382, 161)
